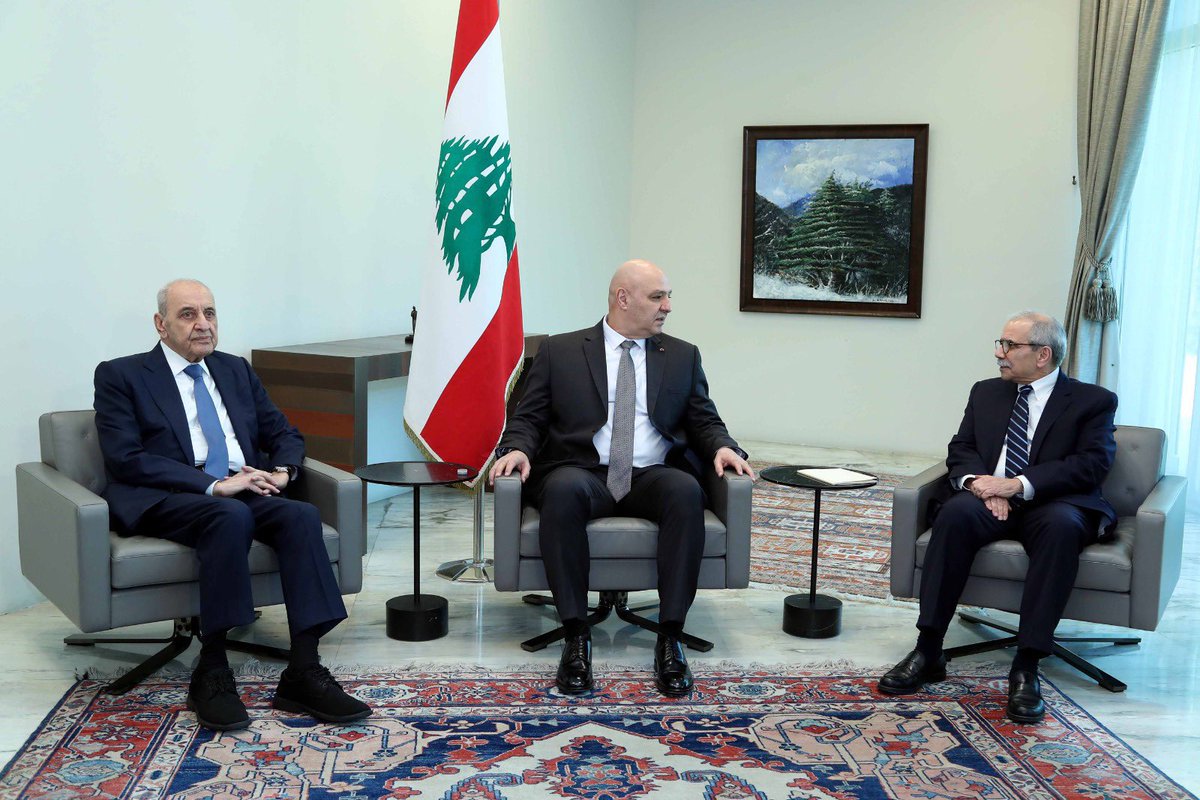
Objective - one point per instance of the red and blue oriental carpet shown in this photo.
(761, 734)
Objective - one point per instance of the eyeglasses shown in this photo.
(1008, 344)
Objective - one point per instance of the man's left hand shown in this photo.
(727, 459)
(261, 477)
(985, 486)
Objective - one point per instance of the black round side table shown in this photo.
(812, 615)
(416, 617)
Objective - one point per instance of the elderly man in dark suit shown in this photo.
(198, 454)
(1027, 463)
(613, 421)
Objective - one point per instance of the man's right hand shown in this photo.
(512, 460)
(248, 480)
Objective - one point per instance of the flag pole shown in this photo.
(475, 569)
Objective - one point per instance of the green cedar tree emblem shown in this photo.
(474, 205)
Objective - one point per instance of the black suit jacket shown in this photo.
(144, 435)
(565, 403)
(1071, 451)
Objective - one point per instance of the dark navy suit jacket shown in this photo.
(1071, 451)
(565, 402)
(144, 435)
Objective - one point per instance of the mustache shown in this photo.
(1003, 362)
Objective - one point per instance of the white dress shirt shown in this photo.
(1043, 387)
(187, 393)
(649, 446)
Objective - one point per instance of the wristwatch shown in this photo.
(291, 471)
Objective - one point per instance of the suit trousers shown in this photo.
(221, 530)
(568, 497)
(1053, 535)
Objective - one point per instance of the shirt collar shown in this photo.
(612, 339)
(1045, 384)
(176, 362)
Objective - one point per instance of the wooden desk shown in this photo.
(322, 388)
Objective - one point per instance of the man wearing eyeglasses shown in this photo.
(1026, 464)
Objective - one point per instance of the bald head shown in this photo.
(639, 299)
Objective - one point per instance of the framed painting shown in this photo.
(833, 219)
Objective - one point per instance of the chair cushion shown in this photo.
(621, 537)
(146, 561)
(1102, 567)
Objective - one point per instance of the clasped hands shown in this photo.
(995, 492)
(251, 480)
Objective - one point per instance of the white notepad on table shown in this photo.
(836, 476)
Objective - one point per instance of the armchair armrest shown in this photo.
(338, 495)
(910, 505)
(1157, 552)
(64, 534)
(506, 544)
(730, 496)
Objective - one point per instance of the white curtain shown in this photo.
(1160, 259)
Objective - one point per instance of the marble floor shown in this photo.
(1158, 716)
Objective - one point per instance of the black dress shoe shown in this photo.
(313, 691)
(213, 696)
(913, 672)
(671, 673)
(1025, 697)
(575, 666)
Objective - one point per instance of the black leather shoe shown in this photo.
(1025, 697)
(671, 673)
(213, 696)
(314, 691)
(913, 672)
(575, 666)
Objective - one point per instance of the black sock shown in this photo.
(304, 650)
(212, 652)
(1026, 659)
(576, 627)
(929, 643)
(670, 628)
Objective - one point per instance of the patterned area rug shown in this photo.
(856, 533)
(762, 734)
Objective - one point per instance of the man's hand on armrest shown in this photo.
(507, 463)
(727, 458)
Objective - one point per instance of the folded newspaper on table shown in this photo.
(836, 476)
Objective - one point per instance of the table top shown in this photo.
(789, 475)
(415, 473)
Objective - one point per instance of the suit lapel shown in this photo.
(1060, 398)
(227, 385)
(163, 389)
(656, 367)
(593, 353)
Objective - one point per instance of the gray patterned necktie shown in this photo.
(620, 451)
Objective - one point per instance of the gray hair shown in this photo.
(1046, 331)
(161, 297)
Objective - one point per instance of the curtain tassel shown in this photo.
(1101, 304)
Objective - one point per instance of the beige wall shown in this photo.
(995, 82)
(286, 154)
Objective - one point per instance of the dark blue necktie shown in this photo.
(1017, 438)
(217, 462)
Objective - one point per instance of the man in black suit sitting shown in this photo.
(611, 422)
(1027, 463)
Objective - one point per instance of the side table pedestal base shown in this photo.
(413, 619)
(813, 617)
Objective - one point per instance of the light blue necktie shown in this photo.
(217, 463)
(1017, 438)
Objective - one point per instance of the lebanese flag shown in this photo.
(469, 343)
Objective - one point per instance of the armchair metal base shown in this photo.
(1075, 660)
(609, 602)
(186, 629)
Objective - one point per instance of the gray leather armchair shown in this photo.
(624, 552)
(1125, 582)
(101, 581)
